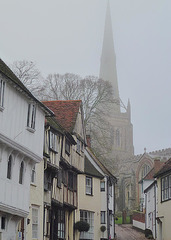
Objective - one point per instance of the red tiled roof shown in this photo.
(166, 168)
(65, 112)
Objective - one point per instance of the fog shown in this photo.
(66, 36)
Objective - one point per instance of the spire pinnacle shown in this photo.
(108, 60)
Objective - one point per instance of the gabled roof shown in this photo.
(165, 169)
(157, 166)
(91, 170)
(4, 69)
(52, 122)
(101, 166)
(65, 111)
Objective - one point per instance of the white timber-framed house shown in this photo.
(21, 147)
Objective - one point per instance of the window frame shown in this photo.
(33, 175)
(89, 187)
(166, 188)
(31, 117)
(53, 142)
(87, 216)
(35, 222)
(103, 217)
(102, 188)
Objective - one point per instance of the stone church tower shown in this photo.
(120, 122)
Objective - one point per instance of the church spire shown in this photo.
(108, 60)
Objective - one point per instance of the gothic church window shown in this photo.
(145, 169)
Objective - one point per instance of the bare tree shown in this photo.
(96, 96)
(30, 76)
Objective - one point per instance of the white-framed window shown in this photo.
(35, 222)
(103, 217)
(9, 167)
(21, 172)
(89, 186)
(166, 187)
(2, 91)
(33, 175)
(102, 186)
(31, 116)
(87, 216)
(53, 141)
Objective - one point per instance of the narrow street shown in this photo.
(126, 232)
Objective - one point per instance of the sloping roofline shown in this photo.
(5, 70)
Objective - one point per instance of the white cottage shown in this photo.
(21, 146)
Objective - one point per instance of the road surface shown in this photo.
(126, 232)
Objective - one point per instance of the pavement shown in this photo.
(127, 232)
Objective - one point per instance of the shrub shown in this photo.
(82, 226)
(103, 228)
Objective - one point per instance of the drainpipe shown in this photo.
(108, 227)
(155, 209)
(114, 207)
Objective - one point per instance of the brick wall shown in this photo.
(139, 216)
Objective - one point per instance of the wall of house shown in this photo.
(13, 121)
(14, 197)
(164, 213)
(89, 203)
(36, 200)
(150, 210)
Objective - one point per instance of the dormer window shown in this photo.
(53, 141)
(2, 90)
(31, 116)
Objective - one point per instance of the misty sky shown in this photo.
(66, 36)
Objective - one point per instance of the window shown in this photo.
(87, 217)
(9, 167)
(103, 217)
(145, 170)
(35, 223)
(53, 141)
(33, 175)
(110, 190)
(67, 146)
(166, 188)
(82, 147)
(102, 186)
(89, 186)
(47, 181)
(21, 172)
(2, 89)
(59, 225)
(2, 222)
(78, 146)
(59, 178)
(31, 116)
(117, 138)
